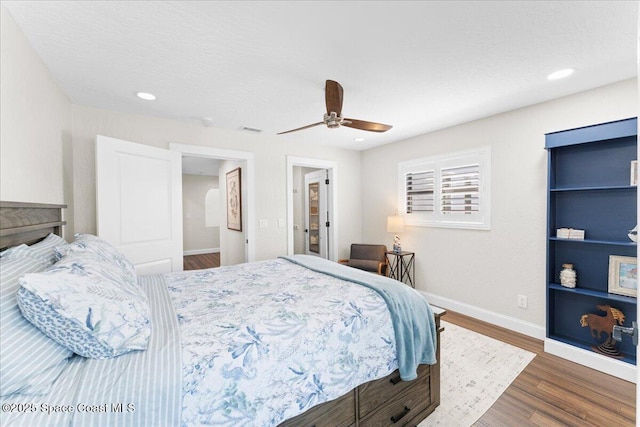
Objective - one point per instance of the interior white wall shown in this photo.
(232, 242)
(489, 269)
(35, 135)
(270, 169)
(197, 236)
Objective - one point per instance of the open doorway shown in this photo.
(235, 246)
(201, 212)
(301, 232)
(311, 219)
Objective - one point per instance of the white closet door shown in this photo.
(139, 203)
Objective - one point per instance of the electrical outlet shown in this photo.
(522, 301)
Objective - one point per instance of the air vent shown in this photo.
(248, 129)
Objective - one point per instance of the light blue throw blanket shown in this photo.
(411, 315)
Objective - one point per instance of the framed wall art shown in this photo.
(623, 275)
(234, 200)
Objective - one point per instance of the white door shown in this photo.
(316, 214)
(139, 203)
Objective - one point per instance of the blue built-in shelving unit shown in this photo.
(589, 189)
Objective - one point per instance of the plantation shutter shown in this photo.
(420, 192)
(451, 190)
(460, 189)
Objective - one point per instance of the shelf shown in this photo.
(587, 346)
(593, 133)
(595, 294)
(588, 188)
(599, 188)
(594, 242)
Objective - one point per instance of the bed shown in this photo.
(215, 356)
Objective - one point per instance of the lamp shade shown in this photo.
(395, 224)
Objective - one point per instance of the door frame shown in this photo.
(332, 199)
(248, 185)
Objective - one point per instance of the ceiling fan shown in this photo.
(333, 117)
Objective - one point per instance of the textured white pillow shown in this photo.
(98, 246)
(88, 305)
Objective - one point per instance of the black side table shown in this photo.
(402, 266)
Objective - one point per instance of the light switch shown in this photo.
(264, 223)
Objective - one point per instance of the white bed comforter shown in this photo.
(264, 342)
(248, 345)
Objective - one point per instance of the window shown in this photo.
(451, 190)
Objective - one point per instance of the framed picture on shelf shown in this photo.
(634, 172)
(623, 275)
(234, 200)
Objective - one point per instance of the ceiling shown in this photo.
(192, 165)
(419, 66)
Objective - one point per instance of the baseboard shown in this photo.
(592, 360)
(201, 251)
(526, 328)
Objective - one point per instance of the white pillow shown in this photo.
(29, 360)
(23, 251)
(88, 305)
(46, 248)
(98, 246)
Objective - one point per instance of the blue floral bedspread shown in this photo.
(265, 341)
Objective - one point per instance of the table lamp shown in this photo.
(395, 224)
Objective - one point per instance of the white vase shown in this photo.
(568, 276)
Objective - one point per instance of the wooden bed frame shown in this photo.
(384, 402)
(28, 222)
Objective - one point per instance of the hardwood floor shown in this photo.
(198, 262)
(552, 391)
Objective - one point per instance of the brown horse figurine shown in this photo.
(601, 324)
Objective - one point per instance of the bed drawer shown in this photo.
(336, 413)
(377, 393)
(401, 408)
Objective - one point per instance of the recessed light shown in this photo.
(146, 96)
(358, 139)
(561, 74)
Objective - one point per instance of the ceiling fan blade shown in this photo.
(333, 97)
(303, 127)
(364, 125)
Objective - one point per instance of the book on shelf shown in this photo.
(570, 233)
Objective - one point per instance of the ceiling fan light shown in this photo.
(333, 117)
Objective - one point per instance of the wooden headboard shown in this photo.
(28, 222)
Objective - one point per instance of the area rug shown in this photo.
(474, 371)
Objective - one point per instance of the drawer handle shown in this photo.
(401, 415)
(395, 380)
